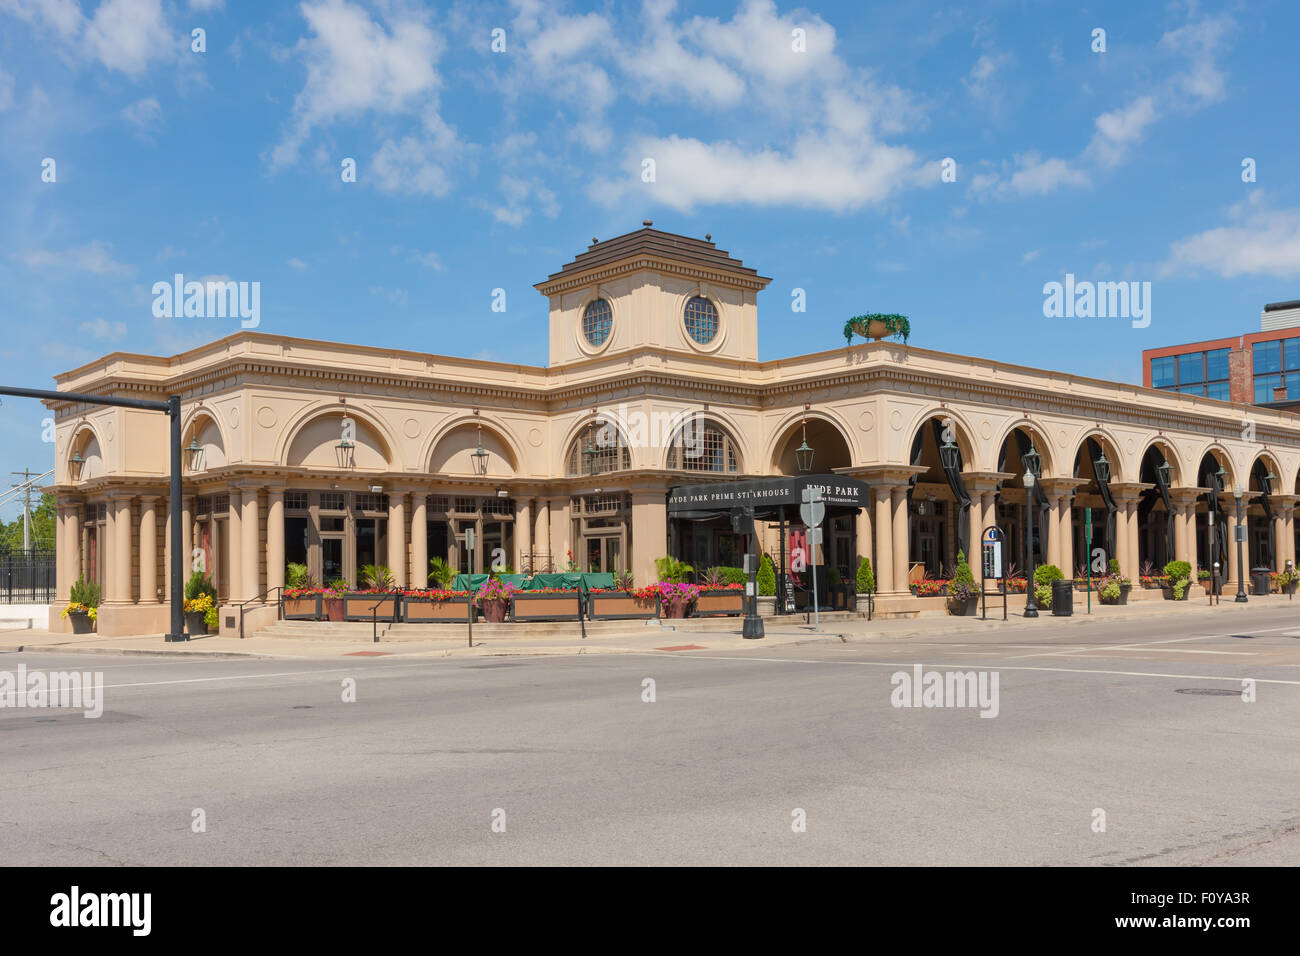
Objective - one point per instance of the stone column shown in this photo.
(884, 540)
(862, 527)
(120, 566)
(234, 549)
(148, 549)
(397, 537)
(650, 537)
(1279, 548)
(898, 499)
(524, 531)
(542, 538)
(250, 540)
(72, 546)
(1131, 568)
(1232, 543)
(559, 522)
(274, 538)
(419, 541)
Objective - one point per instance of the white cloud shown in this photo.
(6, 89)
(62, 16)
(296, 263)
(397, 297)
(203, 6)
(1029, 256)
(983, 82)
(416, 165)
(146, 115)
(356, 64)
(94, 257)
(1120, 129)
(1202, 83)
(1033, 176)
(429, 260)
(1260, 241)
(103, 329)
(129, 35)
(519, 193)
(664, 65)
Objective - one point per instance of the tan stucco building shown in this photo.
(338, 456)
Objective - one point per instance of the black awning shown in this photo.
(765, 495)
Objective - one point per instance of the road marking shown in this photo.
(205, 680)
(936, 666)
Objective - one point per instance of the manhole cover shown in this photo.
(1209, 691)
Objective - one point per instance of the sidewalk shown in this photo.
(779, 632)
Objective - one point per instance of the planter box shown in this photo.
(81, 622)
(529, 606)
(357, 607)
(306, 607)
(333, 608)
(1169, 593)
(965, 608)
(720, 603)
(194, 623)
(766, 605)
(422, 609)
(619, 606)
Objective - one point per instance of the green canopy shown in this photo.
(468, 582)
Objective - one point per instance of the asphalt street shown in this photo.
(563, 760)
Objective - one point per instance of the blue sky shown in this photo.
(478, 169)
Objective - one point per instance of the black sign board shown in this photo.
(763, 494)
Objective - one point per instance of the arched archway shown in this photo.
(453, 452)
(1213, 510)
(1261, 537)
(1157, 513)
(938, 504)
(85, 443)
(203, 434)
(830, 449)
(703, 444)
(316, 443)
(1013, 456)
(1094, 512)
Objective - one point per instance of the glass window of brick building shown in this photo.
(1195, 373)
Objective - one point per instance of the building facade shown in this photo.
(1260, 368)
(341, 456)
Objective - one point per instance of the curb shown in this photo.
(137, 652)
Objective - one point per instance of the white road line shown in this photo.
(898, 665)
(206, 680)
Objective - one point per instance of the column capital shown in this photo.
(887, 475)
(1184, 496)
(1061, 486)
(1126, 491)
(982, 481)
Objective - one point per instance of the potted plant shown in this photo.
(963, 593)
(1203, 577)
(200, 597)
(547, 604)
(866, 577)
(1179, 574)
(1109, 591)
(1147, 576)
(1044, 575)
(83, 606)
(878, 325)
(675, 598)
(333, 599)
(494, 598)
(440, 573)
(766, 581)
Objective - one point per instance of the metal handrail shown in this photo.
(374, 615)
(279, 607)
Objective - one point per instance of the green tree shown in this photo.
(766, 577)
(866, 577)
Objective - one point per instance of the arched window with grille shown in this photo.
(703, 445)
(598, 449)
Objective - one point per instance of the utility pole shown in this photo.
(27, 506)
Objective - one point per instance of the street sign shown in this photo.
(814, 537)
(813, 510)
(469, 538)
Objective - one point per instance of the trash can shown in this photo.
(1260, 580)
(1062, 598)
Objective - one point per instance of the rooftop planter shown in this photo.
(878, 325)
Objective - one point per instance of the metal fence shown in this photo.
(27, 577)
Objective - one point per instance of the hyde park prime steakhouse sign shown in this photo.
(767, 493)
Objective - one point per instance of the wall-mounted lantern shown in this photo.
(803, 455)
(75, 463)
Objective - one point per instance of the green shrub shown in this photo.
(1043, 596)
(672, 570)
(731, 575)
(1180, 586)
(1046, 574)
(766, 577)
(210, 618)
(866, 577)
(962, 585)
(440, 572)
(376, 576)
(85, 592)
(297, 576)
(1178, 570)
(1110, 591)
(199, 584)
(1113, 565)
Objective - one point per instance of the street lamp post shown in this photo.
(1030, 609)
(1241, 575)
